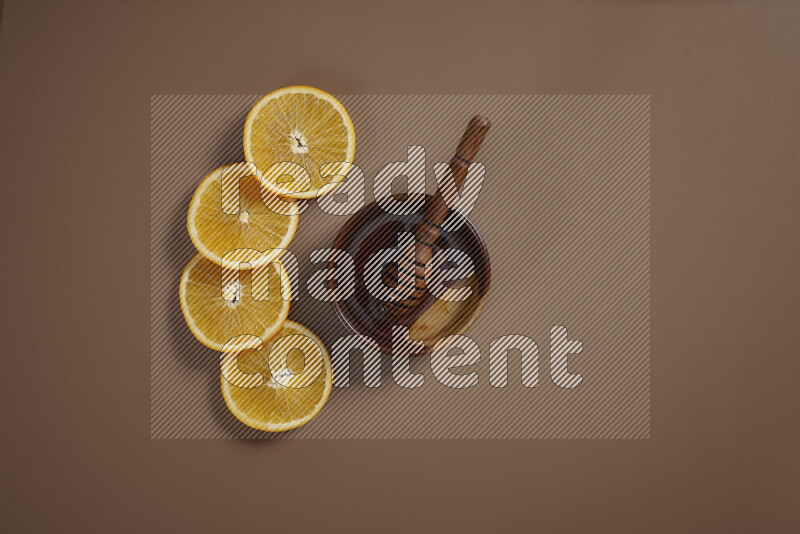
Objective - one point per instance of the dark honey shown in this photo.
(372, 229)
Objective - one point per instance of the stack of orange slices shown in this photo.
(238, 212)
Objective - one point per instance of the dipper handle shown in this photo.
(467, 149)
(408, 277)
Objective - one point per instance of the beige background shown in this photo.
(75, 84)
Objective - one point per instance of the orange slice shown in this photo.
(255, 221)
(299, 128)
(281, 386)
(219, 307)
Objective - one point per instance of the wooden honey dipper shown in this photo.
(406, 277)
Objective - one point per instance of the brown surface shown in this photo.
(76, 80)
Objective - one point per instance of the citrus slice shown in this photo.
(302, 126)
(283, 385)
(232, 220)
(219, 305)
